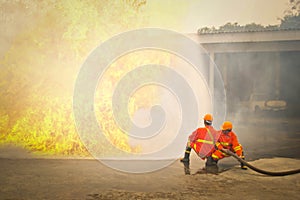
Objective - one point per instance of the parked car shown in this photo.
(262, 102)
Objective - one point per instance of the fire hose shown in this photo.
(282, 173)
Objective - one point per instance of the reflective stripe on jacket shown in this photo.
(227, 141)
(202, 141)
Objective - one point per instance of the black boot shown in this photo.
(187, 153)
(242, 164)
(186, 161)
(187, 170)
(210, 161)
(211, 166)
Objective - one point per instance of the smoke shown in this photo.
(274, 74)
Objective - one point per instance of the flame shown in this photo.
(143, 98)
(41, 65)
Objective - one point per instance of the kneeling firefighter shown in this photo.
(215, 145)
(227, 141)
(202, 141)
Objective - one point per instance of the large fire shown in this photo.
(144, 97)
(38, 71)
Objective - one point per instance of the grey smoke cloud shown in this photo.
(192, 103)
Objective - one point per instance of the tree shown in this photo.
(293, 8)
(290, 22)
(291, 19)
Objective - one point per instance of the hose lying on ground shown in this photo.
(283, 173)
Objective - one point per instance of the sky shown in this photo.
(190, 15)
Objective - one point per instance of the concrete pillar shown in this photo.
(277, 74)
(224, 70)
(211, 73)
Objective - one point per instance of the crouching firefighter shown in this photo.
(202, 141)
(227, 141)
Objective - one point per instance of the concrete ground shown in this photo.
(268, 145)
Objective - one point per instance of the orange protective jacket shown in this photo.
(202, 140)
(227, 141)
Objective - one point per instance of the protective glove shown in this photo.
(225, 151)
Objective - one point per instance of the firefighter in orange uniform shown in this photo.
(202, 141)
(227, 140)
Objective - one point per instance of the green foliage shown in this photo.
(290, 22)
(136, 3)
(48, 128)
(40, 68)
(4, 123)
(293, 8)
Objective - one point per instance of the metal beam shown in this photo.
(253, 46)
(267, 41)
(259, 36)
